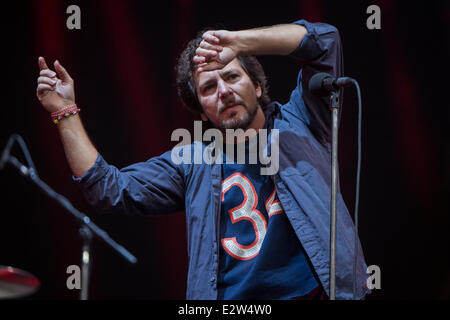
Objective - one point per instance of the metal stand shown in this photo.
(86, 236)
(87, 230)
(334, 105)
(323, 84)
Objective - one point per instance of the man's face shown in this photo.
(228, 96)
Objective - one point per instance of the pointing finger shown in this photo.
(42, 64)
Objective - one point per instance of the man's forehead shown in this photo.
(209, 75)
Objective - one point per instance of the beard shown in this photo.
(239, 123)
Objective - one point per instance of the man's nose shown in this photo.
(223, 89)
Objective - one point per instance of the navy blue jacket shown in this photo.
(159, 186)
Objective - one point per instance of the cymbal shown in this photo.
(16, 283)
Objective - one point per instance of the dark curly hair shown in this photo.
(186, 67)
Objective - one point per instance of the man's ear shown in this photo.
(203, 116)
(258, 91)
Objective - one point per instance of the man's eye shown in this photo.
(208, 88)
(233, 76)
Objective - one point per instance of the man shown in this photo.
(250, 236)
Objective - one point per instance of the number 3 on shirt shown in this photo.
(247, 211)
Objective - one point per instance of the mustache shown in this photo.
(230, 103)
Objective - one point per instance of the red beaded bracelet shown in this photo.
(64, 113)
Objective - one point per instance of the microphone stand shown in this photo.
(323, 84)
(87, 229)
(86, 236)
(334, 106)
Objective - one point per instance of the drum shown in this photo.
(16, 283)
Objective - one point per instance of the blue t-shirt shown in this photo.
(260, 254)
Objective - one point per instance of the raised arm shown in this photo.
(219, 47)
(55, 91)
(316, 47)
(152, 187)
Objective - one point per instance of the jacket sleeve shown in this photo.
(152, 187)
(319, 51)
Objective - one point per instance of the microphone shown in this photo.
(5, 155)
(322, 84)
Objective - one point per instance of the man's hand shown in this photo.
(217, 49)
(55, 89)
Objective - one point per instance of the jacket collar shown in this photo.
(270, 112)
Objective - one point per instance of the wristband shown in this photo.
(64, 113)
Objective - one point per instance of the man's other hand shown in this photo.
(55, 90)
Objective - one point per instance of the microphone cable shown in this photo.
(358, 176)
